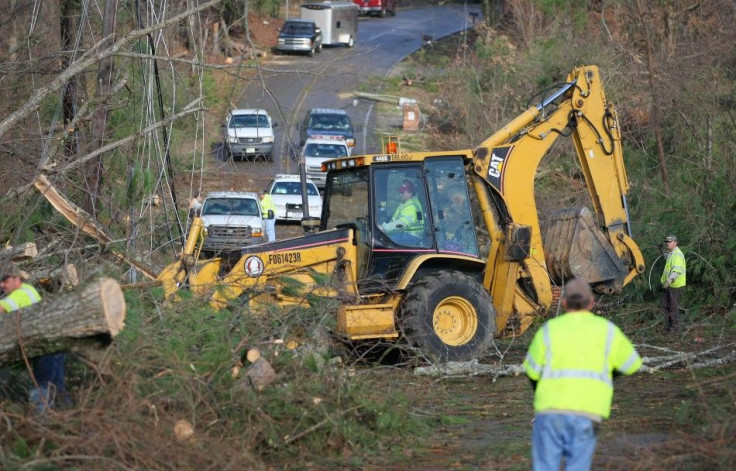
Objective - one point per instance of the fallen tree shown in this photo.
(716, 356)
(83, 321)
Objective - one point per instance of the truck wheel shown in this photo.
(382, 13)
(448, 316)
(311, 53)
(351, 42)
(319, 47)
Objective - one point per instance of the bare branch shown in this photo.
(89, 58)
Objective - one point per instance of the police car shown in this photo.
(286, 192)
(319, 148)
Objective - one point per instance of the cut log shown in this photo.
(55, 278)
(19, 253)
(260, 374)
(253, 355)
(83, 322)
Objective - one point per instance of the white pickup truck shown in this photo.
(249, 133)
(232, 220)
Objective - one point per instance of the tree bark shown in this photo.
(18, 253)
(84, 322)
(93, 170)
(69, 91)
(655, 114)
(54, 279)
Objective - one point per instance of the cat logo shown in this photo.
(494, 170)
(496, 167)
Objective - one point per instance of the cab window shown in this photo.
(451, 213)
(401, 209)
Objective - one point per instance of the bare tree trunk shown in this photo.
(69, 91)
(655, 118)
(83, 322)
(93, 170)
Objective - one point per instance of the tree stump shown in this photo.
(83, 322)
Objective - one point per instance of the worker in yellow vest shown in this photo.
(673, 283)
(407, 218)
(48, 370)
(571, 363)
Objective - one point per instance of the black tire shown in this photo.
(319, 47)
(269, 157)
(382, 13)
(448, 316)
(311, 53)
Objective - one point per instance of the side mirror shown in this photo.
(273, 125)
(318, 30)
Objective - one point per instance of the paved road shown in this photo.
(291, 84)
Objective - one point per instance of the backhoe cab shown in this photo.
(445, 248)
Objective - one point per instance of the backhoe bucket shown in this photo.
(575, 247)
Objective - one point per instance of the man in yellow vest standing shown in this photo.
(571, 363)
(48, 370)
(673, 283)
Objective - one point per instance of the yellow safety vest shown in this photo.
(22, 297)
(674, 268)
(266, 205)
(409, 212)
(572, 358)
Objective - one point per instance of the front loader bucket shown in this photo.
(575, 247)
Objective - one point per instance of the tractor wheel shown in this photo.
(448, 316)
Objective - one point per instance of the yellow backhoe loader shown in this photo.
(445, 249)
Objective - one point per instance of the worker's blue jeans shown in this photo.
(270, 229)
(555, 436)
(48, 371)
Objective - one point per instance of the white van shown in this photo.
(337, 20)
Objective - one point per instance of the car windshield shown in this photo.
(297, 28)
(230, 206)
(249, 121)
(328, 151)
(329, 122)
(293, 188)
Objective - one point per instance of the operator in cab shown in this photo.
(407, 217)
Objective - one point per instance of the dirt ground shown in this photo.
(660, 421)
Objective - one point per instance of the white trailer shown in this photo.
(337, 20)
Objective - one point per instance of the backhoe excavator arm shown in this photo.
(506, 164)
